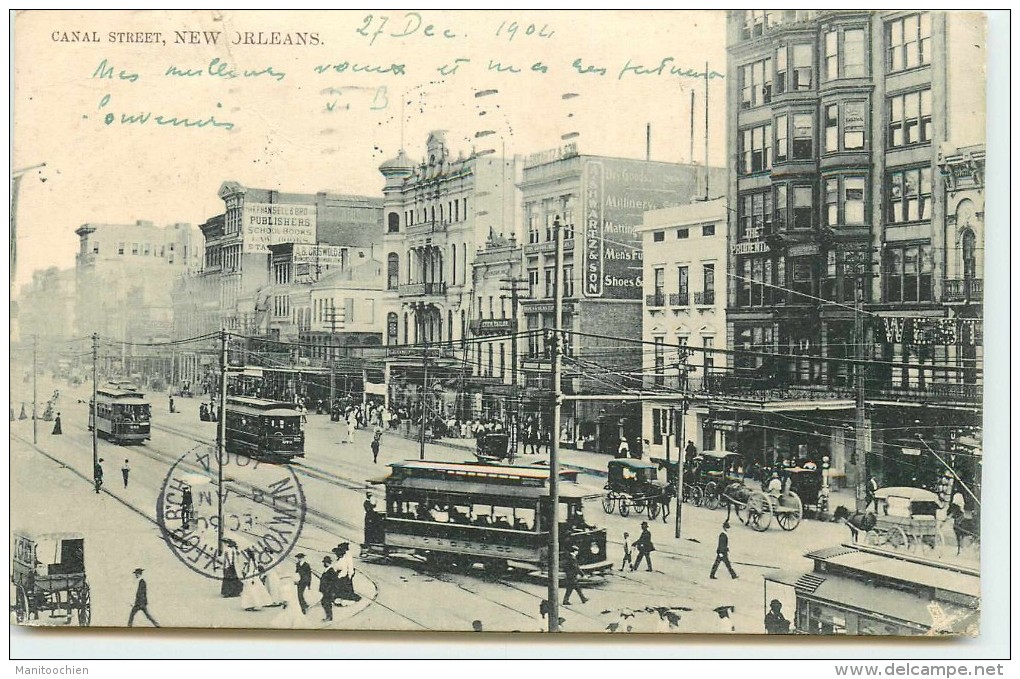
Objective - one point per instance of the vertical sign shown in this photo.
(593, 188)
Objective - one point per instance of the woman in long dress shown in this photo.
(345, 573)
(231, 586)
(275, 585)
(291, 616)
(254, 595)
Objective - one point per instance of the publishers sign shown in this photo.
(265, 224)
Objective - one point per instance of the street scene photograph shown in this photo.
(661, 322)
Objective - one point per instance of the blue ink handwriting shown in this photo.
(673, 71)
(340, 67)
(373, 27)
(510, 31)
(105, 70)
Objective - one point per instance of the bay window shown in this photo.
(802, 207)
(781, 136)
(908, 195)
(910, 119)
(803, 136)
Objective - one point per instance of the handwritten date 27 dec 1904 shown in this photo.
(412, 24)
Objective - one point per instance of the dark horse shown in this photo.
(964, 526)
(855, 521)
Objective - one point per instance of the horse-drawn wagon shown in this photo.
(48, 574)
(634, 484)
(907, 518)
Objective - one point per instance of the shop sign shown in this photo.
(922, 331)
(265, 224)
(752, 247)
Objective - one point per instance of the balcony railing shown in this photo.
(963, 290)
(679, 299)
(704, 298)
(656, 299)
(422, 289)
(777, 389)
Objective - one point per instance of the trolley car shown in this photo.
(48, 574)
(467, 514)
(263, 429)
(124, 414)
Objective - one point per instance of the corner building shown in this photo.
(837, 126)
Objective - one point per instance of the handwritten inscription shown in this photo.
(411, 24)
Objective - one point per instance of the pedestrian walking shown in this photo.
(187, 506)
(56, 425)
(23, 415)
(691, 451)
(870, 498)
(231, 586)
(304, 580)
(351, 426)
(172, 409)
(141, 601)
(644, 548)
(627, 553)
(97, 474)
(571, 576)
(327, 588)
(722, 553)
(124, 471)
(375, 450)
(624, 449)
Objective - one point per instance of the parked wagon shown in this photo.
(708, 474)
(806, 482)
(755, 508)
(634, 484)
(494, 446)
(907, 518)
(48, 574)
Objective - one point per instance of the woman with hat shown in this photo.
(231, 586)
(345, 573)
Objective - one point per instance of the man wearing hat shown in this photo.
(327, 588)
(644, 548)
(141, 601)
(571, 576)
(722, 553)
(304, 581)
(775, 621)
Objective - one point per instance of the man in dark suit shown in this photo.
(571, 575)
(141, 601)
(304, 573)
(644, 548)
(722, 553)
(327, 588)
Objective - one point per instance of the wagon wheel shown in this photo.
(84, 607)
(21, 609)
(653, 508)
(876, 538)
(696, 496)
(608, 503)
(759, 511)
(792, 510)
(710, 497)
(624, 507)
(639, 505)
(898, 538)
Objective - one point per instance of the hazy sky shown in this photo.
(282, 131)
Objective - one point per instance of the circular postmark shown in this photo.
(262, 513)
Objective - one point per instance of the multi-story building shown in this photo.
(439, 213)
(125, 274)
(684, 277)
(599, 202)
(838, 237)
(49, 306)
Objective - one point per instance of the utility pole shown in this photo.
(684, 368)
(95, 412)
(513, 283)
(332, 318)
(221, 441)
(862, 438)
(554, 438)
(35, 405)
(424, 385)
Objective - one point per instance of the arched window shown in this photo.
(393, 223)
(969, 246)
(392, 271)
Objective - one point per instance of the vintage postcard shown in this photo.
(567, 321)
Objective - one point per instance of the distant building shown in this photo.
(124, 277)
(684, 276)
(49, 305)
(600, 202)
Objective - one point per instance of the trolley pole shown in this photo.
(95, 412)
(221, 441)
(684, 368)
(515, 429)
(35, 406)
(554, 438)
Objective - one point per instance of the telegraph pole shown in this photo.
(862, 442)
(221, 441)
(515, 299)
(554, 439)
(424, 386)
(95, 412)
(684, 368)
(332, 318)
(35, 406)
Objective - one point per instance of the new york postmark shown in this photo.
(262, 510)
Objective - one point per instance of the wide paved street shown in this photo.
(399, 594)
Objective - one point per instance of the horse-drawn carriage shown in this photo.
(494, 446)
(634, 484)
(707, 474)
(907, 518)
(48, 574)
(806, 482)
